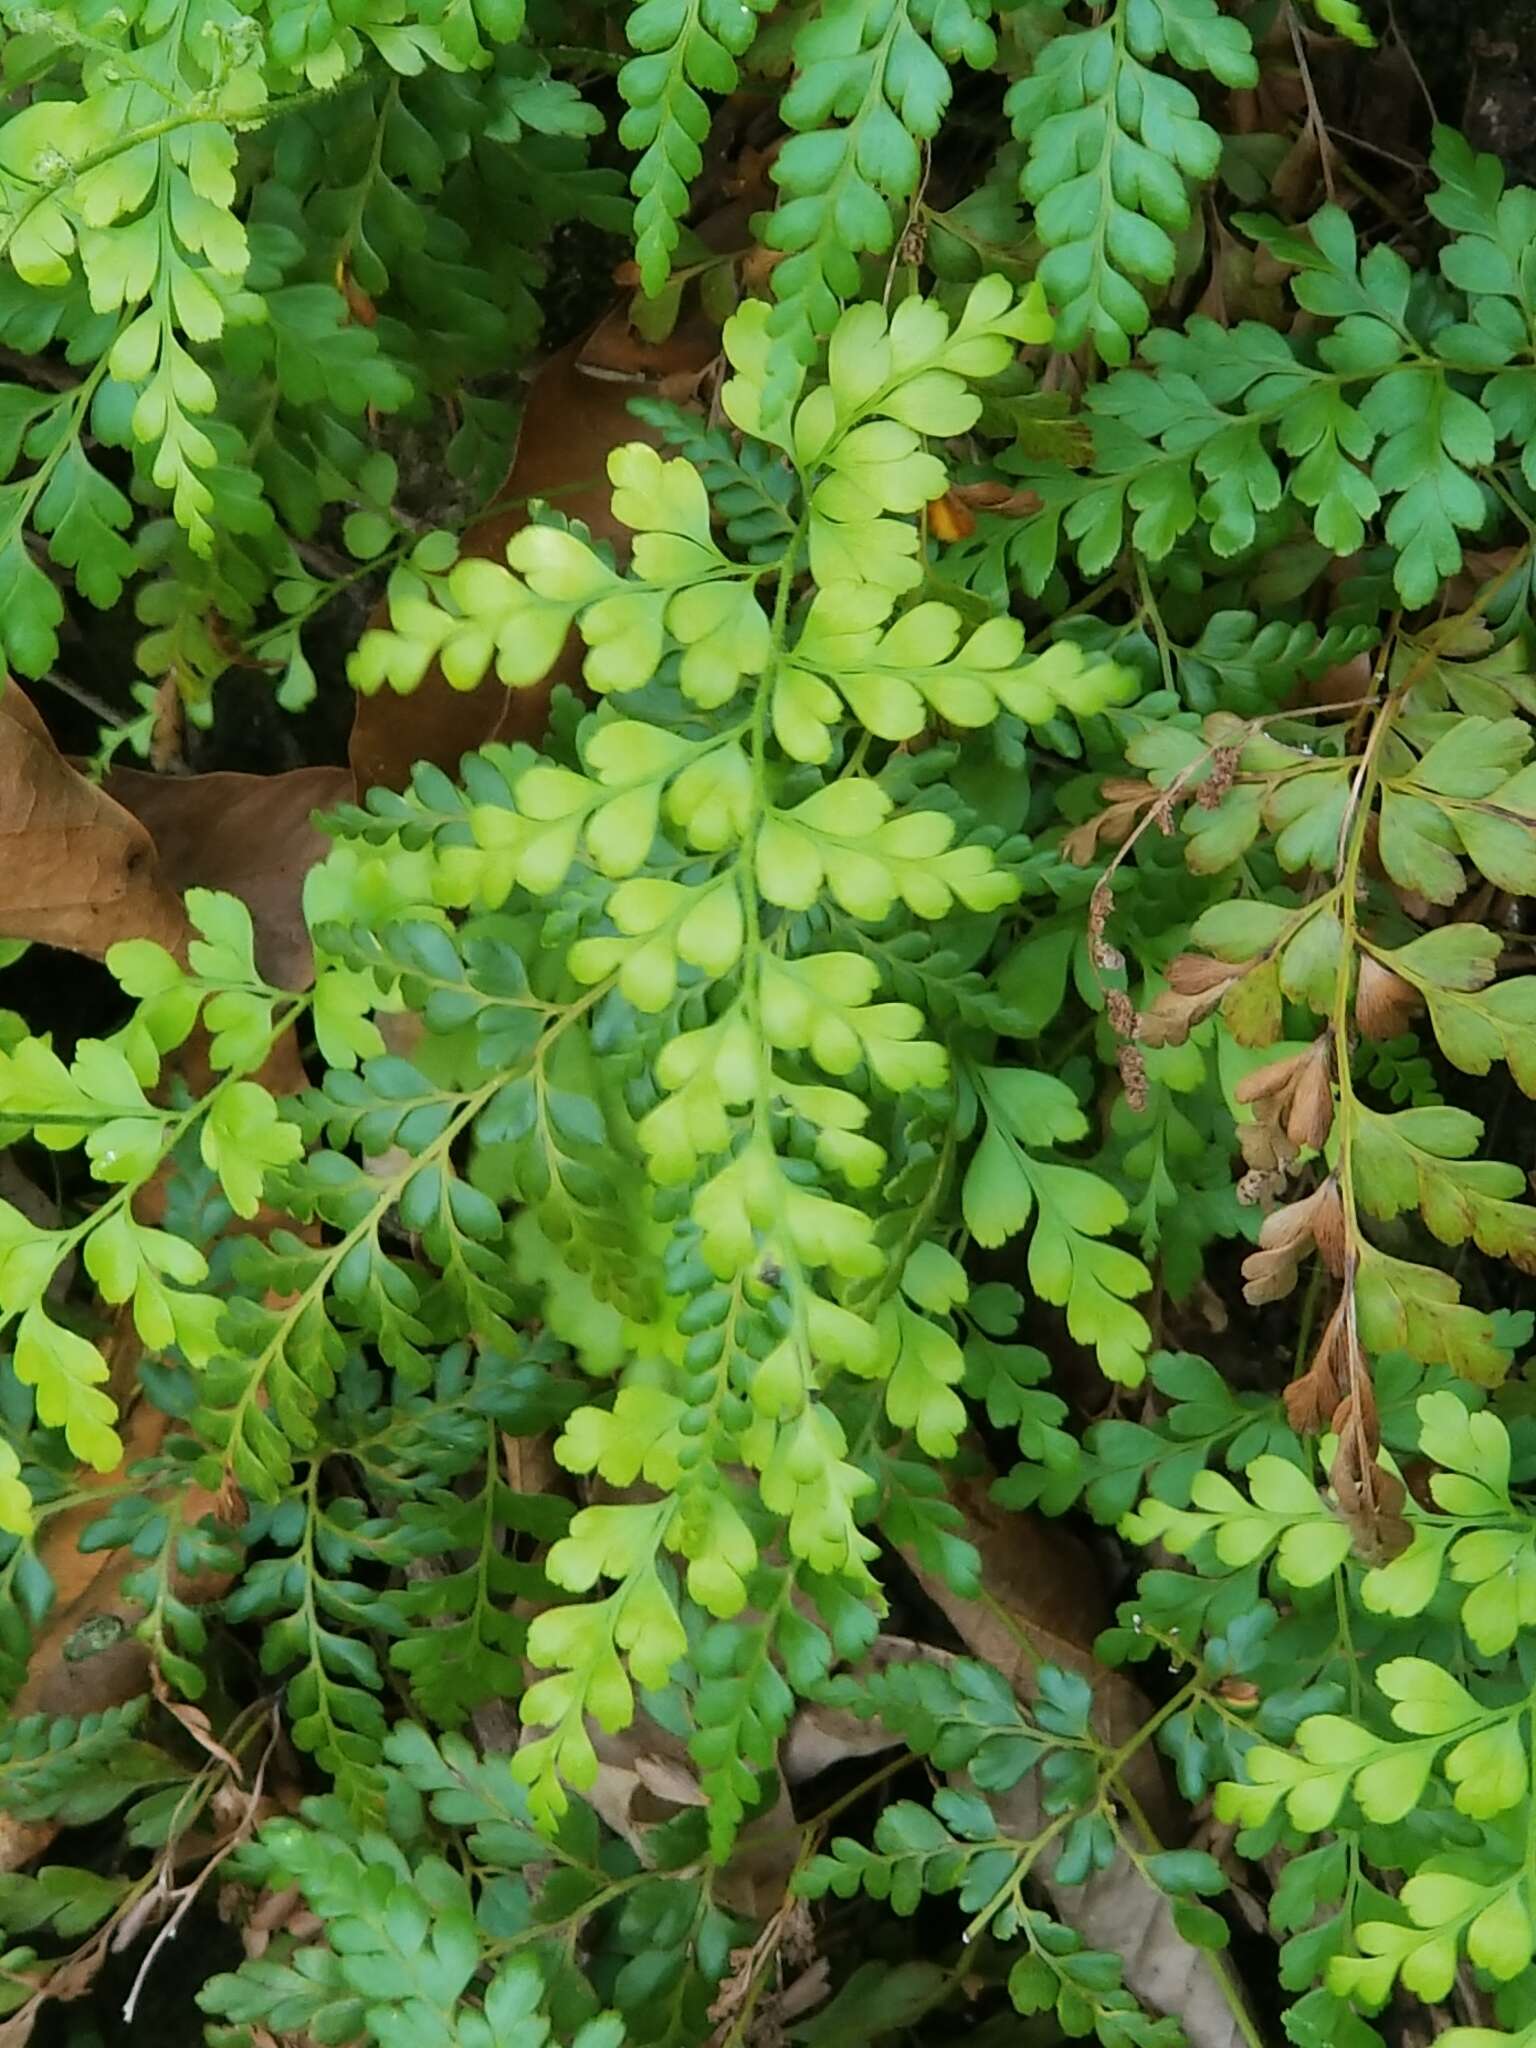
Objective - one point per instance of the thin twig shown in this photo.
(1419, 171)
(1314, 111)
(86, 699)
(1413, 63)
(189, 1892)
(76, 1972)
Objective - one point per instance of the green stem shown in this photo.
(1215, 1962)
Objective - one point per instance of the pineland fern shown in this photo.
(797, 1134)
(1046, 828)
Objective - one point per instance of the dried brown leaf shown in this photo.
(86, 1587)
(1312, 1400)
(1120, 1910)
(1292, 1104)
(1111, 825)
(1384, 1002)
(821, 1736)
(576, 414)
(76, 869)
(991, 496)
(1290, 1228)
(571, 421)
(1127, 789)
(1277, 1078)
(669, 1780)
(1309, 1115)
(1265, 1147)
(1042, 1600)
(1269, 1276)
(248, 835)
(1285, 1238)
(360, 306)
(642, 1771)
(1296, 184)
(1370, 1498)
(1479, 568)
(268, 1916)
(950, 518)
(21, 1843)
(1196, 986)
(1193, 974)
(1328, 1231)
(1345, 683)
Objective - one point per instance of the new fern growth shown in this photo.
(766, 1111)
(658, 991)
(1047, 828)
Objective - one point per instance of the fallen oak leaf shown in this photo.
(645, 1776)
(76, 869)
(91, 1614)
(575, 414)
(1346, 683)
(250, 836)
(1117, 1909)
(669, 1780)
(75, 1575)
(88, 1658)
(1041, 1603)
(571, 421)
(1479, 568)
(878, 1999)
(83, 1580)
(823, 1734)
